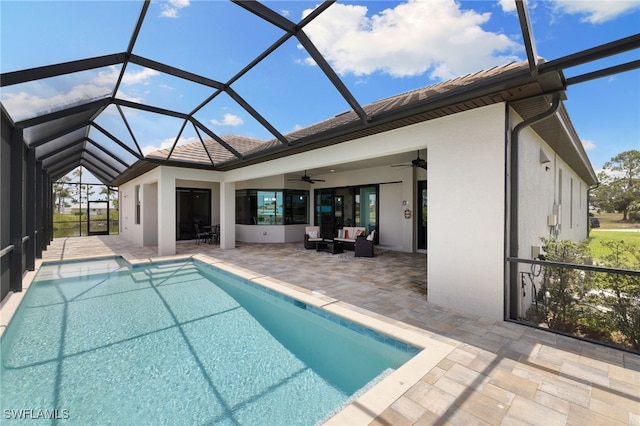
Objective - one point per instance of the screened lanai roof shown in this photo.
(119, 87)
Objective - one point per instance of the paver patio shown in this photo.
(499, 372)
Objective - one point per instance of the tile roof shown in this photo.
(438, 100)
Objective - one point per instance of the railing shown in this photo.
(590, 302)
(6, 250)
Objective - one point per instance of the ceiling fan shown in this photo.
(418, 162)
(308, 179)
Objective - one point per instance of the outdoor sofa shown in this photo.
(347, 236)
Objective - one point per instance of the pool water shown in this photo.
(179, 343)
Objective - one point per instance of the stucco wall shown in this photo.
(545, 181)
(466, 188)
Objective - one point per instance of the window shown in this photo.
(138, 201)
(272, 207)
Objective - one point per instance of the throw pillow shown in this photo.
(346, 233)
(313, 234)
(370, 237)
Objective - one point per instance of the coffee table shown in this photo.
(330, 246)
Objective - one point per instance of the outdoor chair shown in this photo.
(363, 247)
(215, 233)
(311, 236)
(201, 234)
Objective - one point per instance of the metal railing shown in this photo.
(590, 302)
(8, 249)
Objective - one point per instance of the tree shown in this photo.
(61, 193)
(619, 185)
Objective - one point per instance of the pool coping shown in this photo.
(367, 406)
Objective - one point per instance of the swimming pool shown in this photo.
(102, 342)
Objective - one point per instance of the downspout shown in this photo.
(513, 205)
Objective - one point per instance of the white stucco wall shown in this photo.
(543, 185)
(158, 212)
(467, 196)
(466, 187)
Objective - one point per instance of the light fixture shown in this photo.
(543, 157)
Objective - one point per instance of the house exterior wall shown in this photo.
(465, 229)
(395, 186)
(158, 222)
(466, 184)
(129, 229)
(543, 185)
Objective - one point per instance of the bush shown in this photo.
(563, 289)
(620, 294)
(603, 306)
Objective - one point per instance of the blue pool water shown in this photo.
(179, 343)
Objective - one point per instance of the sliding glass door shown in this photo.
(367, 207)
(192, 205)
(336, 208)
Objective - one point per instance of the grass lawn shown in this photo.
(614, 221)
(597, 236)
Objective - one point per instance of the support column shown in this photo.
(47, 233)
(16, 197)
(166, 213)
(40, 203)
(30, 210)
(227, 215)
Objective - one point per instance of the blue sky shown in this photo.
(379, 49)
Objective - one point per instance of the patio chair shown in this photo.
(311, 236)
(215, 234)
(363, 247)
(201, 234)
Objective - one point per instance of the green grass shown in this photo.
(614, 221)
(597, 237)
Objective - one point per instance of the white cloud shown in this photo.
(596, 12)
(172, 8)
(588, 145)
(228, 120)
(411, 39)
(168, 143)
(138, 77)
(507, 5)
(44, 97)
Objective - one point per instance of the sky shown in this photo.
(378, 48)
